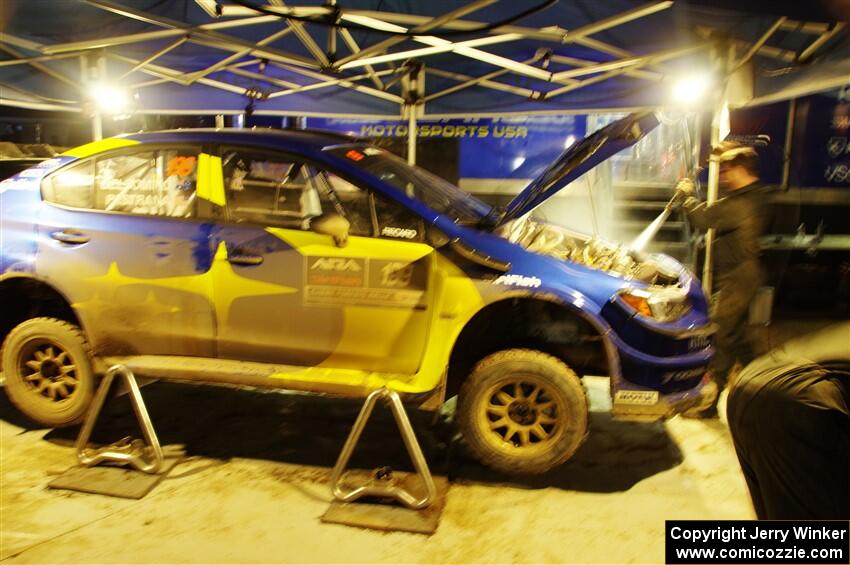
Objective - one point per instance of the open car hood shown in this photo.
(577, 160)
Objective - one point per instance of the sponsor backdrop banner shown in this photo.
(490, 148)
(824, 154)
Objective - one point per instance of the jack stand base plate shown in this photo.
(121, 482)
(390, 517)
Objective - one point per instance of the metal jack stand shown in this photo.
(148, 458)
(420, 515)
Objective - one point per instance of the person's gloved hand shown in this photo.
(684, 189)
(686, 186)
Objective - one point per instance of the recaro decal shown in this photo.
(403, 233)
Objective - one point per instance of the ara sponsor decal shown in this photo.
(336, 271)
(342, 264)
(402, 233)
(521, 281)
(636, 397)
(345, 281)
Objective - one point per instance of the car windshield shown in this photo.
(436, 193)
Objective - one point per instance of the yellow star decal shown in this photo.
(220, 284)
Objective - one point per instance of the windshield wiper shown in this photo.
(492, 219)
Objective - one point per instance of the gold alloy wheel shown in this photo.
(48, 370)
(521, 414)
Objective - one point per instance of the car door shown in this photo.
(309, 302)
(118, 237)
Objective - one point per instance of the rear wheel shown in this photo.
(48, 372)
(522, 411)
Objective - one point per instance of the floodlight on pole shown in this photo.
(110, 99)
(690, 89)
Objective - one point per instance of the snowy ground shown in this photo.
(256, 484)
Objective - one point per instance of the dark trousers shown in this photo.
(735, 290)
(791, 430)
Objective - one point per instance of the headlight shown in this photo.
(663, 305)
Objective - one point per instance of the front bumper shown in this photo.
(662, 371)
(647, 405)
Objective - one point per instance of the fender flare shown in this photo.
(31, 277)
(597, 322)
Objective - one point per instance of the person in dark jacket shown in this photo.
(739, 218)
(790, 422)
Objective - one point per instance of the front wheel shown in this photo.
(522, 411)
(48, 373)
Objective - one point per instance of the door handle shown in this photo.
(70, 236)
(241, 258)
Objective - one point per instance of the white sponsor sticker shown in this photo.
(518, 280)
(404, 233)
(638, 397)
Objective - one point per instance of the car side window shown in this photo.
(158, 183)
(71, 186)
(273, 189)
(370, 214)
(396, 221)
(268, 189)
(346, 199)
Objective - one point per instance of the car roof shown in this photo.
(278, 138)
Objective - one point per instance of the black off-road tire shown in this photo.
(522, 411)
(47, 366)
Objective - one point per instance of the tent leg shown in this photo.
(411, 133)
(718, 114)
(96, 127)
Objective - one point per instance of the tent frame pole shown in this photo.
(355, 48)
(484, 81)
(411, 133)
(232, 58)
(337, 82)
(723, 62)
(168, 48)
(430, 23)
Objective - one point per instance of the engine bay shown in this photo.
(594, 252)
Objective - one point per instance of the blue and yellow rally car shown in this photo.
(313, 262)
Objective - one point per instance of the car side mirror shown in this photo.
(334, 225)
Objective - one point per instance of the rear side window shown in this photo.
(72, 186)
(158, 183)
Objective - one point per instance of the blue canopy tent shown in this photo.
(412, 60)
(203, 56)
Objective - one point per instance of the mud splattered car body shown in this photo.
(313, 262)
